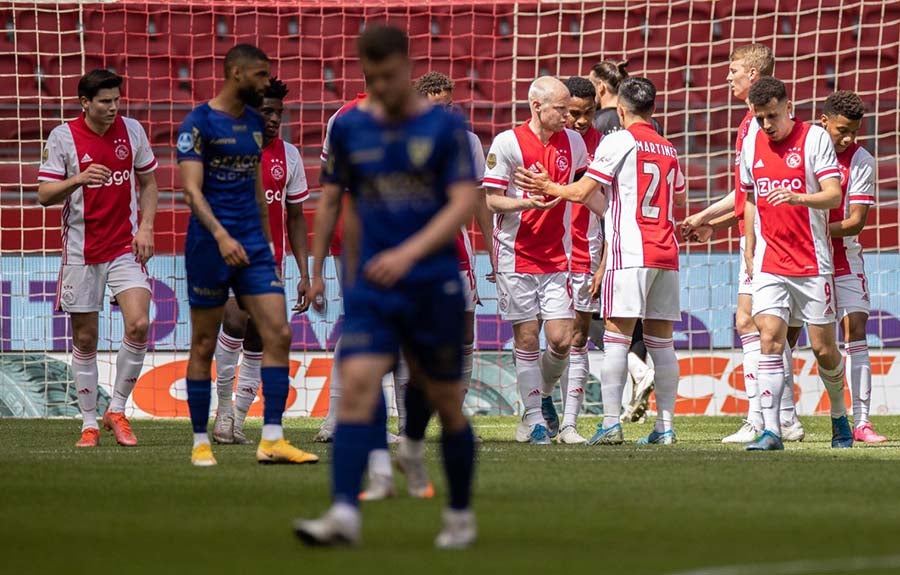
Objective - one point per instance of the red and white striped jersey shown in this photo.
(587, 233)
(748, 129)
(463, 243)
(790, 240)
(639, 170)
(857, 168)
(533, 241)
(285, 183)
(98, 222)
(337, 240)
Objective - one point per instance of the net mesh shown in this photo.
(170, 55)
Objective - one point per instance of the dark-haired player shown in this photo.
(284, 182)
(841, 118)
(409, 173)
(90, 165)
(638, 171)
(229, 246)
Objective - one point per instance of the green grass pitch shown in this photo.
(689, 508)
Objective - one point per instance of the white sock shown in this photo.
(552, 365)
(860, 380)
(401, 383)
(84, 368)
(636, 366)
(129, 363)
(334, 389)
(770, 374)
(528, 378)
(750, 346)
(247, 384)
(380, 462)
(228, 349)
(665, 364)
(833, 379)
(788, 406)
(573, 382)
(613, 373)
(201, 438)
(272, 432)
(468, 358)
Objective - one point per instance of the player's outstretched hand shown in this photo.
(142, 245)
(95, 175)
(531, 182)
(388, 267)
(701, 233)
(233, 252)
(780, 196)
(748, 263)
(315, 294)
(543, 204)
(302, 301)
(596, 283)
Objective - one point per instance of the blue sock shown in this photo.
(459, 465)
(199, 394)
(418, 412)
(379, 424)
(275, 384)
(350, 454)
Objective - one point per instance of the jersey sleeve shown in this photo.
(459, 164)
(296, 190)
(862, 179)
(190, 144)
(680, 184)
(477, 156)
(326, 142)
(53, 158)
(820, 152)
(746, 175)
(144, 160)
(579, 155)
(609, 157)
(335, 166)
(499, 162)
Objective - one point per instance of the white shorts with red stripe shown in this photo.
(852, 294)
(527, 297)
(795, 299)
(470, 289)
(745, 282)
(81, 287)
(647, 293)
(581, 293)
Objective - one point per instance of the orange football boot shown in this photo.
(121, 428)
(90, 437)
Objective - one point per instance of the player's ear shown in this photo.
(823, 119)
(84, 102)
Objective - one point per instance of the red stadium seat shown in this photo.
(157, 79)
(740, 21)
(877, 29)
(707, 75)
(679, 24)
(664, 69)
(62, 73)
(872, 74)
(17, 77)
(814, 33)
(48, 30)
(257, 25)
(807, 79)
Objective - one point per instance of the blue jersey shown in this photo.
(398, 175)
(230, 149)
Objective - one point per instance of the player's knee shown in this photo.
(744, 323)
(276, 339)
(579, 339)
(527, 342)
(234, 326)
(770, 344)
(203, 346)
(560, 342)
(136, 329)
(85, 340)
(252, 341)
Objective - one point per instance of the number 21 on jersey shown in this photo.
(650, 204)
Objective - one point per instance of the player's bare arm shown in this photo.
(719, 209)
(391, 265)
(327, 213)
(827, 199)
(853, 225)
(52, 193)
(485, 222)
(296, 230)
(597, 280)
(192, 181)
(749, 232)
(142, 244)
(499, 203)
(539, 183)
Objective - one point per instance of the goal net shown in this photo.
(170, 54)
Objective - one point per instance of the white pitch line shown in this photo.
(802, 567)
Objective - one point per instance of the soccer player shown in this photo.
(606, 76)
(791, 179)
(531, 236)
(587, 248)
(229, 246)
(841, 118)
(90, 166)
(748, 64)
(409, 172)
(284, 181)
(639, 173)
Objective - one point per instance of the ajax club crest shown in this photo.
(793, 159)
(277, 170)
(122, 151)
